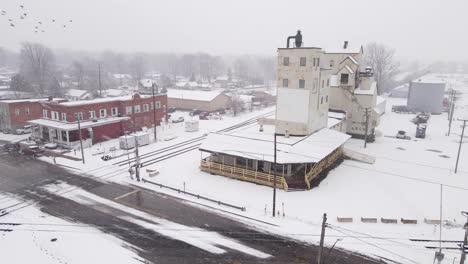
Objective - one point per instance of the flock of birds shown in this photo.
(38, 26)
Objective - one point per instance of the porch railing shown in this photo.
(243, 174)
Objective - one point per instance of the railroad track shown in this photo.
(182, 147)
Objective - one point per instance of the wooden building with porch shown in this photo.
(250, 157)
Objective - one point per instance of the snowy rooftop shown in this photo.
(76, 92)
(66, 126)
(341, 50)
(192, 95)
(102, 100)
(31, 100)
(370, 91)
(259, 145)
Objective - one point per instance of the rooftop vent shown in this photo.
(345, 45)
(297, 38)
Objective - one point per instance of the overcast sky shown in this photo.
(417, 29)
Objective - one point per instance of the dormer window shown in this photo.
(344, 78)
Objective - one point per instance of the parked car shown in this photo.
(178, 120)
(215, 116)
(402, 135)
(203, 116)
(51, 145)
(171, 109)
(195, 112)
(106, 157)
(34, 151)
(10, 147)
(25, 130)
(6, 131)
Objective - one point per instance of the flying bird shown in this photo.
(64, 26)
(43, 31)
(25, 14)
(71, 21)
(36, 27)
(11, 24)
(22, 17)
(40, 22)
(53, 20)
(35, 31)
(22, 6)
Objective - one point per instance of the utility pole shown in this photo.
(274, 177)
(154, 112)
(137, 160)
(461, 142)
(100, 85)
(465, 240)
(451, 110)
(367, 127)
(322, 238)
(78, 117)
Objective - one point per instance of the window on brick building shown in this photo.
(145, 108)
(158, 104)
(17, 111)
(128, 110)
(137, 108)
(114, 111)
(26, 110)
(54, 115)
(286, 61)
(92, 114)
(45, 113)
(79, 116)
(64, 116)
(151, 106)
(102, 113)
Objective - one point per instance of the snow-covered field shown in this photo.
(405, 182)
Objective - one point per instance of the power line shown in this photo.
(374, 245)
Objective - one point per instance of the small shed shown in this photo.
(126, 142)
(142, 138)
(426, 95)
(191, 125)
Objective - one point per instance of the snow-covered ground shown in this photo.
(41, 238)
(405, 182)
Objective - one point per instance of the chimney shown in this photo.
(345, 45)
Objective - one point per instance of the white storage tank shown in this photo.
(142, 138)
(191, 125)
(126, 142)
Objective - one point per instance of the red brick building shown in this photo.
(100, 119)
(15, 114)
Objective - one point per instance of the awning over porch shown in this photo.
(309, 149)
(66, 126)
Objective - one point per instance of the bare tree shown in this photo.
(138, 67)
(237, 105)
(381, 59)
(37, 64)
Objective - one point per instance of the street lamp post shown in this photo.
(154, 113)
(274, 177)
